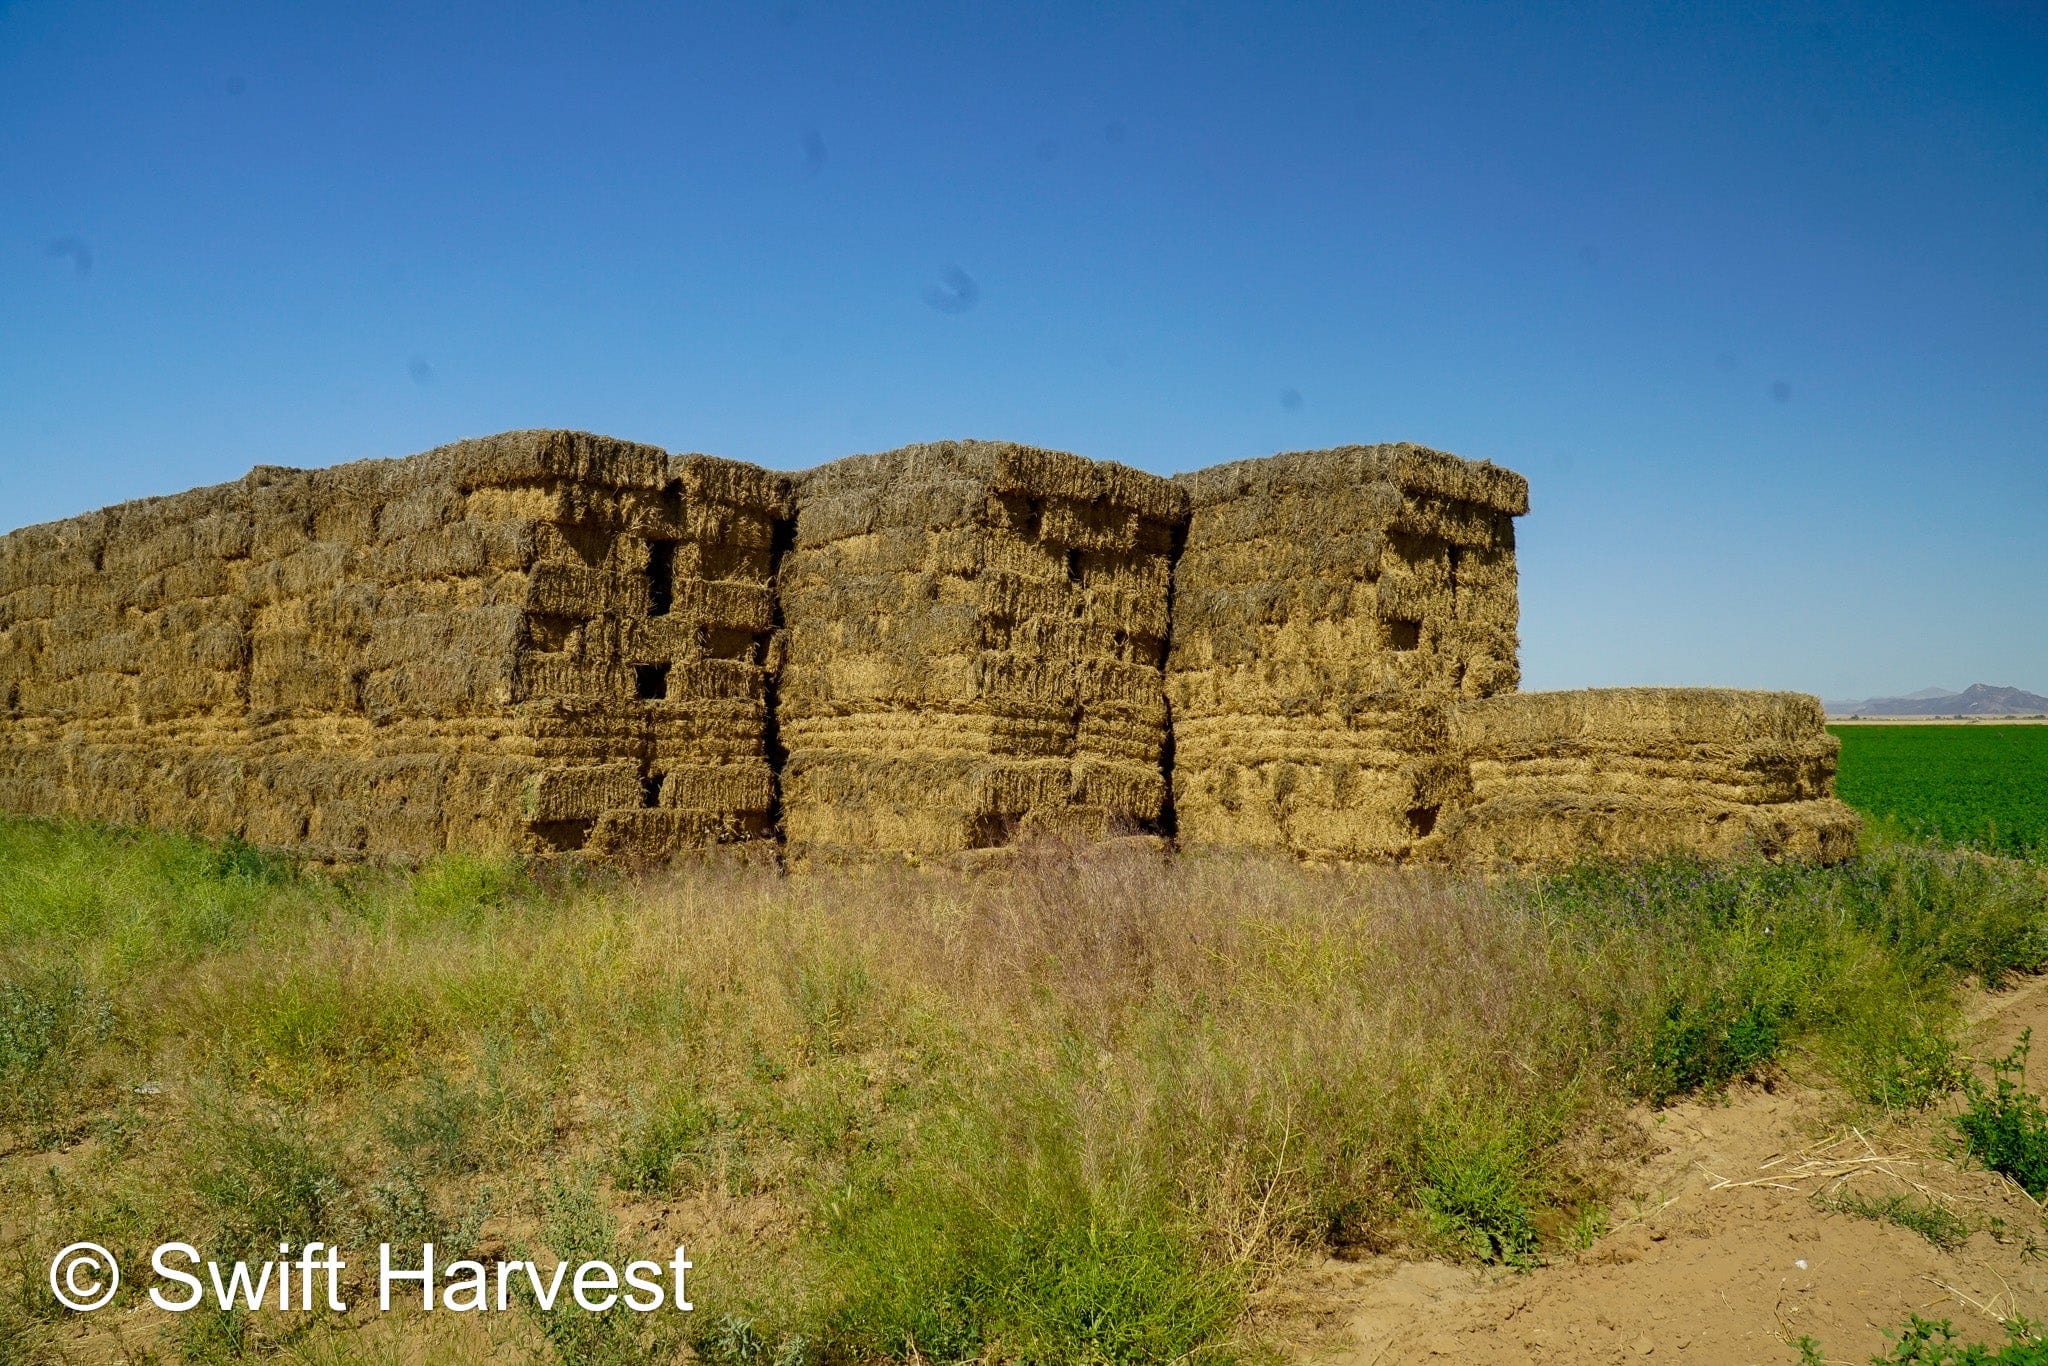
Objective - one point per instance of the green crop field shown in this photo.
(1976, 785)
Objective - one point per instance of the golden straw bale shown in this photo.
(1641, 770)
(489, 646)
(553, 642)
(974, 636)
(1327, 608)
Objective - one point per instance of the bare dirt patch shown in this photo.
(1731, 1245)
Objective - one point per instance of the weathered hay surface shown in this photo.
(975, 636)
(1328, 608)
(1712, 771)
(499, 644)
(551, 641)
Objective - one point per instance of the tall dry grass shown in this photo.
(1074, 1110)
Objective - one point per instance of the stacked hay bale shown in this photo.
(123, 662)
(656, 654)
(1330, 607)
(976, 632)
(454, 650)
(1710, 771)
(551, 641)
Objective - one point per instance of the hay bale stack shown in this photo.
(1329, 608)
(975, 637)
(684, 641)
(403, 656)
(1712, 771)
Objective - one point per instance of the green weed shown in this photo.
(264, 1179)
(1588, 1227)
(1939, 1226)
(2004, 1125)
(664, 1146)
(1476, 1189)
(1897, 1060)
(999, 1244)
(48, 1020)
(578, 1227)
(440, 1125)
(29, 1311)
(1927, 1343)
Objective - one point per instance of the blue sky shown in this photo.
(1756, 295)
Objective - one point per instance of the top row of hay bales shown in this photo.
(551, 641)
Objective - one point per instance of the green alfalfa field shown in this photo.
(1976, 786)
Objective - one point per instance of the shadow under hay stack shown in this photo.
(551, 642)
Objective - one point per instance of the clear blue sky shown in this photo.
(1756, 295)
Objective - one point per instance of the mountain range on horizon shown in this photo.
(1979, 699)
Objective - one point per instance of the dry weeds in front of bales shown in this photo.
(1076, 1111)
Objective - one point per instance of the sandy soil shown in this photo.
(1722, 1253)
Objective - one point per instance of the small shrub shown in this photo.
(440, 1126)
(578, 1227)
(1900, 1063)
(456, 890)
(234, 860)
(1704, 1047)
(209, 1334)
(266, 1182)
(2005, 1126)
(1475, 1190)
(828, 996)
(659, 1150)
(1589, 1227)
(403, 1211)
(998, 1244)
(736, 1340)
(48, 1020)
(29, 1312)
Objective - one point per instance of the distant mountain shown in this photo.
(1979, 699)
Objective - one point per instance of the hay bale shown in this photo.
(1712, 771)
(551, 641)
(1328, 607)
(975, 636)
(499, 644)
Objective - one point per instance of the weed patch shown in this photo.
(1926, 1342)
(2004, 1125)
(1938, 1225)
(1078, 1112)
(49, 1020)
(1476, 1189)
